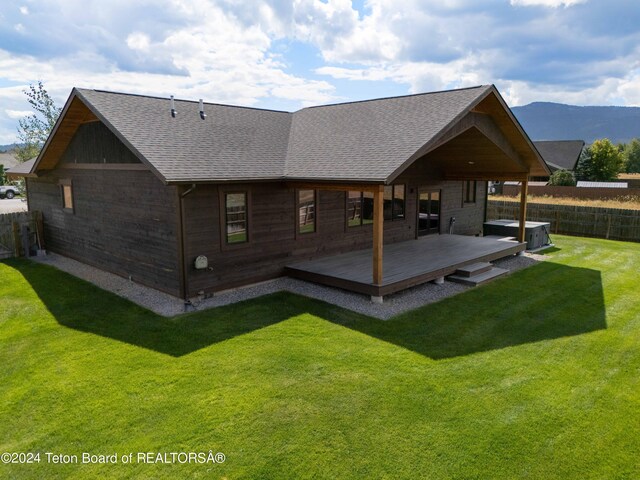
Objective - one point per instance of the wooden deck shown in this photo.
(406, 264)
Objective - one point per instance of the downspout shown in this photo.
(183, 247)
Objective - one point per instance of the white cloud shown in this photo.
(24, 10)
(18, 114)
(138, 41)
(216, 56)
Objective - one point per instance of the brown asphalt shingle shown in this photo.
(369, 140)
(363, 141)
(232, 142)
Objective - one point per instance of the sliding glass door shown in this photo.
(428, 212)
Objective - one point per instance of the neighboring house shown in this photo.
(8, 160)
(559, 154)
(216, 196)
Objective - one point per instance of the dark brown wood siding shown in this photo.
(273, 241)
(125, 222)
(93, 143)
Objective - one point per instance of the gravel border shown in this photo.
(169, 306)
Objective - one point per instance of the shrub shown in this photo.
(562, 178)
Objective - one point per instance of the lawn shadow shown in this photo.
(79, 305)
(543, 302)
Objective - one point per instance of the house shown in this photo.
(560, 154)
(557, 154)
(193, 198)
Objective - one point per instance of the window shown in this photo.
(306, 211)
(469, 191)
(67, 195)
(359, 208)
(394, 202)
(360, 205)
(235, 205)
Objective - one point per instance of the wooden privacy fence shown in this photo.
(20, 233)
(611, 223)
(594, 193)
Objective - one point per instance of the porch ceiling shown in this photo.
(473, 156)
(486, 143)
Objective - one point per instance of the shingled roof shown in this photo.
(365, 141)
(369, 140)
(560, 154)
(231, 143)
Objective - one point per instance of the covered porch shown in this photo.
(405, 264)
(482, 142)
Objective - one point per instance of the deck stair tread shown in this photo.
(474, 269)
(479, 278)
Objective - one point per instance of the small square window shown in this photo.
(66, 191)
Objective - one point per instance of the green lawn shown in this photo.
(536, 376)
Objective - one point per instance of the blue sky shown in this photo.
(291, 54)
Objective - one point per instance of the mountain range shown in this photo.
(557, 121)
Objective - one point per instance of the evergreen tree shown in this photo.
(632, 156)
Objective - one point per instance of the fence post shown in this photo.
(17, 244)
(24, 234)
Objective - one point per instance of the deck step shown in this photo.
(480, 278)
(474, 269)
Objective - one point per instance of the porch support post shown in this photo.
(378, 229)
(523, 209)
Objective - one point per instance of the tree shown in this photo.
(3, 175)
(601, 162)
(632, 156)
(562, 178)
(34, 130)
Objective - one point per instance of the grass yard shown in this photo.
(535, 376)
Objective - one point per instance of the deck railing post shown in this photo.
(523, 209)
(378, 229)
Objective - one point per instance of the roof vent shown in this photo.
(202, 114)
(173, 108)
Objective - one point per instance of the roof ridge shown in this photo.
(397, 96)
(158, 97)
